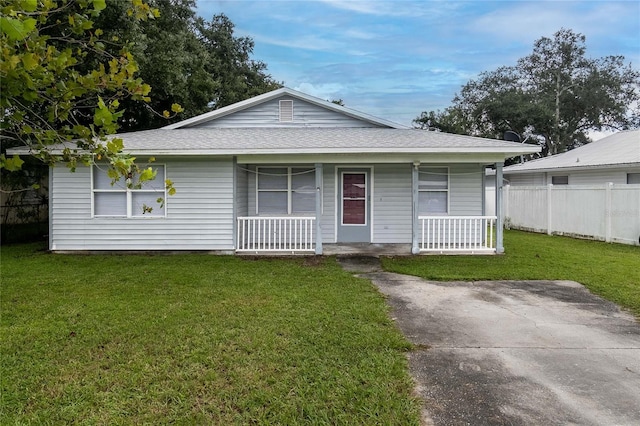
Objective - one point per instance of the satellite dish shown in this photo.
(511, 136)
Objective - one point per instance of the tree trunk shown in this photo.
(556, 130)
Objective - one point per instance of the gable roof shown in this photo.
(284, 91)
(286, 141)
(619, 149)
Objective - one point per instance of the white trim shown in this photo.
(448, 190)
(336, 193)
(366, 201)
(129, 197)
(288, 190)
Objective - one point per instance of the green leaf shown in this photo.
(115, 146)
(11, 164)
(99, 4)
(147, 174)
(30, 61)
(16, 29)
(102, 116)
(28, 5)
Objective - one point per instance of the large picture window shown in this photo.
(117, 199)
(433, 190)
(285, 190)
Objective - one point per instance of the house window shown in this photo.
(117, 199)
(433, 190)
(560, 180)
(286, 111)
(633, 178)
(285, 190)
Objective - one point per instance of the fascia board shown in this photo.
(322, 151)
(238, 106)
(372, 159)
(617, 166)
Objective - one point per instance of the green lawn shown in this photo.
(196, 339)
(609, 270)
(201, 339)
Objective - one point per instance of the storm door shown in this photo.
(354, 212)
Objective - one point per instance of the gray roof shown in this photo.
(619, 149)
(256, 141)
(235, 141)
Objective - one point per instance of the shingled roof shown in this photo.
(622, 148)
(229, 141)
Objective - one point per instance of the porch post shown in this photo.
(318, 208)
(499, 224)
(415, 229)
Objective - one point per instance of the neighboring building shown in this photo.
(590, 192)
(290, 173)
(614, 159)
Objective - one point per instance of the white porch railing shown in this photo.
(447, 234)
(276, 234)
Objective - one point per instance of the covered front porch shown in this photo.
(298, 235)
(375, 209)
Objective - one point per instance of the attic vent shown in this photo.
(286, 111)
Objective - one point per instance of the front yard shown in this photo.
(196, 339)
(201, 339)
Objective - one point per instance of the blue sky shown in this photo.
(394, 59)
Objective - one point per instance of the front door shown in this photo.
(354, 212)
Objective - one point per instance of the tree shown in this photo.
(553, 97)
(170, 57)
(186, 59)
(61, 84)
(229, 60)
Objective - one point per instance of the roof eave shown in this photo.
(572, 168)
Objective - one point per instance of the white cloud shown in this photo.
(326, 91)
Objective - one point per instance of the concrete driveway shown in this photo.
(515, 352)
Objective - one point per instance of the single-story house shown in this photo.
(614, 159)
(285, 172)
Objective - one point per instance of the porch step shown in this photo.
(366, 249)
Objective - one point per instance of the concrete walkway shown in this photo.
(514, 352)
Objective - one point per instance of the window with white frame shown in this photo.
(120, 199)
(285, 190)
(433, 190)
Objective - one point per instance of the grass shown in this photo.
(609, 270)
(196, 339)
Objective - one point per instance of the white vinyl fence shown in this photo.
(603, 212)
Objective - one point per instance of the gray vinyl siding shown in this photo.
(596, 177)
(392, 203)
(577, 177)
(199, 215)
(465, 189)
(305, 114)
(525, 179)
(328, 222)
